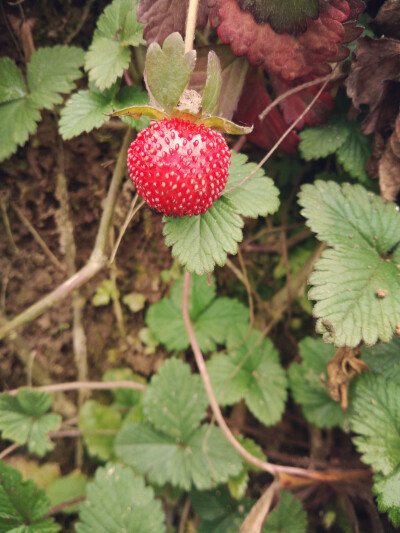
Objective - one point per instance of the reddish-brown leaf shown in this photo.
(255, 99)
(284, 55)
(388, 18)
(162, 17)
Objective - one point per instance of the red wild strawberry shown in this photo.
(179, 168)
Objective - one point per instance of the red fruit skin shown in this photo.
(179, 168)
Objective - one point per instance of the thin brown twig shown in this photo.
(80, 385)
(61, 506)
(184, 516)
(9, 449)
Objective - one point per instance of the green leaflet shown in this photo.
(287, 516)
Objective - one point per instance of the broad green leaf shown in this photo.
(251, 371)
(84, 111)
(288, 516)
(203, 460)
(308, 382)
(124, 397)
(109, 55)
(12, 85)
(384, 359)
(118, 500)
(220, 513)
(210, 317)
(353, 154)
(356, 285)
(213, 85)
(257, 196)
(168, 70)
(23, 419)
(200, 242)
(18, 120)
(97, 423)
(387, 489)
(67, 488)
(375, 418)
(51, 71)
(175, 401)
(22, 506)
(321, 141)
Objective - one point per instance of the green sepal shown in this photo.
(137, 111)
(225, 126)
(213, 85)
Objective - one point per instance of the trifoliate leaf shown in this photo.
(118, 500)
(175, 401)
(203, 460)
(321, 141)
(109, 55)
(18, 120)
(84, 111)
(22, 506)
(51, 71)
(213, 85)
(375, 418)
(210, 317)
(97, 422)
(257, 196)
(387, 489)
(353, 154)
(220, 513)
(308, 383)
(168, 70)
(124, 397)
(23, 419)
(12, 85)
(288, 516)
(251, 371)
(67, 488)
(201, 242)
(384, 359)
(356, 285)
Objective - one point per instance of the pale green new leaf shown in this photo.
(18, 120)
(23, 419)
(353, 154)
(308, 381)
(124, 397)
(200, 242)
(22, 506)
(287, 517)
(168, 70)
(387, 489)
(118, 500)
(175, 401)
(251, 371)
(258, 196)
(67, 488)
(12, 85)
(384, 359)
(51, 71)
(203, 460)
(356, 285)
(375, 418)
(321, 141)
(95, 418)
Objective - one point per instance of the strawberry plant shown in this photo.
(210, 189)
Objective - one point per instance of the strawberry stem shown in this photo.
(191, 24)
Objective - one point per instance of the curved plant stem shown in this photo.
(129, 216)
(9, 449)
(191, 24)
(80, 385)
(283, 137)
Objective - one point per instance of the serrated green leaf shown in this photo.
(200, 242)
(387, 490)
(308, 383)
(51, 71)
(22, 506)
(288, 516)
(257, 196)
(133, 96)
(210, 317)
(175, 401)
(95, 418)
(353, 154)
(168, 70)
(124, 397)
(84, 111)
(213, 85)
(238, 484)
(220, 513)
(23, 419)
(356, 285)
(18, 120)
(118, 500)
(321, 141)
(384, 359)
(12, 85)
(109, 55)
(206, 458)
(251, 371)
(65, 489)
(375, 418)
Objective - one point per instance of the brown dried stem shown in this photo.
(91, 385)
